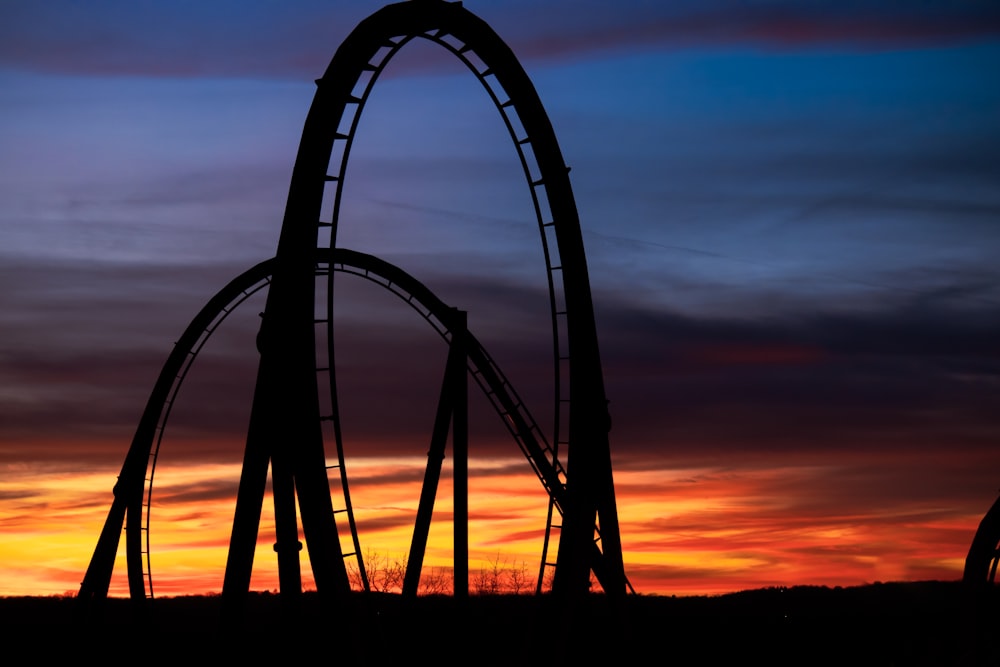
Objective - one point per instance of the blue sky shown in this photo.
(790, 211)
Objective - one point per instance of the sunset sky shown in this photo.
(791, 214)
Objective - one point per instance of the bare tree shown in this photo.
(436, 581)
(517, 578)
(497, 576)
(384, 575)
(489, 579)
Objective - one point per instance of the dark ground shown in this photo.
(928, 623)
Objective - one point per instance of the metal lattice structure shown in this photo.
(295, 410)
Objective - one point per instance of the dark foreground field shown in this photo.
(930, 623)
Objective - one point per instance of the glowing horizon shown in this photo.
(789, 215)
(702, 531)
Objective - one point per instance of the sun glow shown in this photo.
(692, 530)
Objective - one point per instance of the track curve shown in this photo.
(984, 553)
(284, 429)
(327, 138)
(488, 375)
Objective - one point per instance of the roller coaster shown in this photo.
(984, 553)
(290, 424)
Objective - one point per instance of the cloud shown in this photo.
(840, 520)
(915, 371)
(601, 26)
(910, 373)
(201, 492)
(268, 40)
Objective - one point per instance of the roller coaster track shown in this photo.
(580, 405)
(286, 432)
(984, 553)
(350, 110)
(488, 375)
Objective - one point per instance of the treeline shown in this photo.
(497, 575)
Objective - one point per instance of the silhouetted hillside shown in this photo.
(928, 623)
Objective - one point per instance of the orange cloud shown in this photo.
(698, 529)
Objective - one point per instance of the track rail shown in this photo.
(490, 378)
(984, 553)
(580, 406)
(583, 492)
(352, 106)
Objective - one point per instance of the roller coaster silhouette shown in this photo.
(288, 426)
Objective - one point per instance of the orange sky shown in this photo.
(691, 530)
